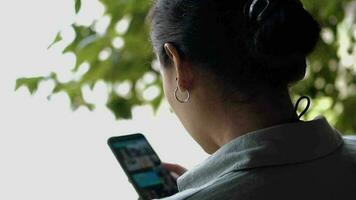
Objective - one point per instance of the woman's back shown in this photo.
(265, 164)
(328, 178)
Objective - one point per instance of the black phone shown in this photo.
(143, 167)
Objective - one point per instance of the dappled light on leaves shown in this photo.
(118, 43)
(110, 41)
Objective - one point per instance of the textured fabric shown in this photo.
(302, 160)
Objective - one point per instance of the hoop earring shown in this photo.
(179, 100)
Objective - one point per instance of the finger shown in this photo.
(179, 170)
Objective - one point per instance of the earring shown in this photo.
(176, 96)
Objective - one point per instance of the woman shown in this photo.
(227, 66)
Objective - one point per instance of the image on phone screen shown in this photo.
(143, 167)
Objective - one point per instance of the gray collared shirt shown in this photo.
(302, 160)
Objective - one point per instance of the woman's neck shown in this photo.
(238, 119)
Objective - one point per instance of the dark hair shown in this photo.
(245, 44)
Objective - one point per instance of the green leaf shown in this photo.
(78, 5)
(30, 83)
(120, 107)
(347, 119)
(57, 39)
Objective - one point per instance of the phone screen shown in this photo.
(143, 167)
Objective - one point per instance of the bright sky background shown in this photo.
(46, 150)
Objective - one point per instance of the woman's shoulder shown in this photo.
(349, 147)
(317, 179)
(350, 138)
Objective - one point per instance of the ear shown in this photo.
(183, 69)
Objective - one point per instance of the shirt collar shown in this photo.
(278, 145)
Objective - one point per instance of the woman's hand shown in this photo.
(174, 169)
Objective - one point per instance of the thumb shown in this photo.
(179, 170)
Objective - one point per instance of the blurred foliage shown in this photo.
(121, 56)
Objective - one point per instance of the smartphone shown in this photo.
(143, 167)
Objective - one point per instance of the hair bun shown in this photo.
(285, 28)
